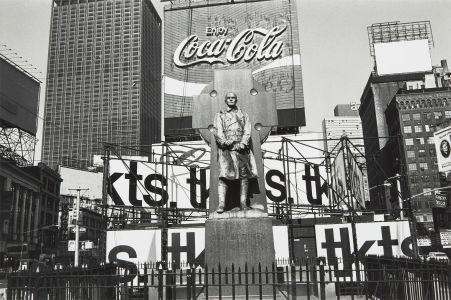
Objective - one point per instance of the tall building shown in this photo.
(401, 53)
(413, 116)
(201, 36)
(346, 121)
(103, 79)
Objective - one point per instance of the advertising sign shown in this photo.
(424, 242)
(377, 238)
(260, 35)
(356, 180)
(185, 245)
(403, 57)
(443, 149)
(445, 238)
(440, 199)
(338, 177)
(184, 182)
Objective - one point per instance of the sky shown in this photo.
(335, 54)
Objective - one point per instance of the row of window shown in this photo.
(423, 178)
(426, 115)
(419, 141)
(421, 153)
(423, 166)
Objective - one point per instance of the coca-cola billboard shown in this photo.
(261, 36)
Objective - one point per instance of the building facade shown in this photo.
(103, 79)
(413, 116)
(205, 35)
(29, 201)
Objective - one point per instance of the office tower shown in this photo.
(401, 53)
(412, 116)
(103, 79)
(220, 28)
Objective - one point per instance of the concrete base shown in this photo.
(240, 241)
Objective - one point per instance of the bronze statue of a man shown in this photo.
(236, 160)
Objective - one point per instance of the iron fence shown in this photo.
(379, 278)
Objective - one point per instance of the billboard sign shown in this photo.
(260, 35)
(19, 99)
(185, 245)
(184, 182)
(376, 238)
(445, 238)
(440, 199)
(443, 149)
(403, 57)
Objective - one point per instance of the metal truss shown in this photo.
(17, 145)
(397, 31)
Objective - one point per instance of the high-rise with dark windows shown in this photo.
(103, 79)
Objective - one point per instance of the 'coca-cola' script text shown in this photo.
(190, 52)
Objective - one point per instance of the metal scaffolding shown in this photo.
(396, 31)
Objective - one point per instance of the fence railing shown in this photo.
(376, 278)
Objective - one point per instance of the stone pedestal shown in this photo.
(240, 241)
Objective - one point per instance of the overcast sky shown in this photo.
(335, 54)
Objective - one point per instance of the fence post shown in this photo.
(193, 281)
(449, 278)
(188, 283)
(322, 281)
(293, 281)
(160, 282)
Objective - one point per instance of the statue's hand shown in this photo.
(228, 142)
(242, 146)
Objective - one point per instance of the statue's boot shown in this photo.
(222, 191)
(244, 187)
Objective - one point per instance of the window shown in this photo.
(448, 114)
(407, 129)
(413, 167)
(421, 153)
(416, 117)
(418, 128)
(409, 142)
(411, 154)
(431, 140)
(419, 141)
(437, 114)
(406, 117)
(423, 166)
(427, 128)
(413, 179)
(432, 152)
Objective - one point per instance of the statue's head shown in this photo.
(231, 99)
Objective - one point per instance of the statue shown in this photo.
(232, 130)
(235, 135)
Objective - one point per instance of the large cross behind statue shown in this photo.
(252, 99)
(242, 238)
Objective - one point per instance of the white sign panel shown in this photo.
(402, 57)
(73, 178)
(292, 172)
(133, 245)
(445, 238)
(185, 245)
(443, 149)
(377, 238)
